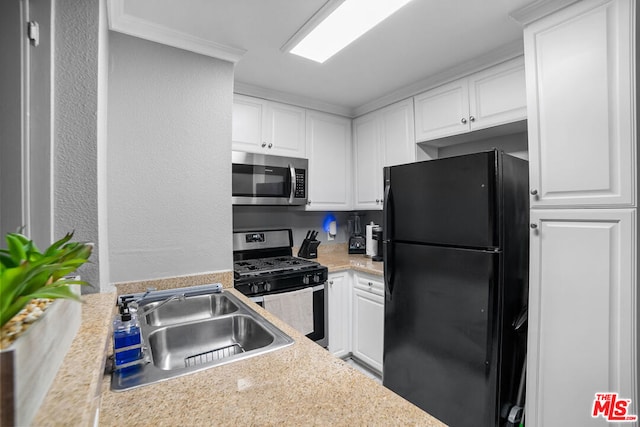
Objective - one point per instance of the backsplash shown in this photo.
(273, 217)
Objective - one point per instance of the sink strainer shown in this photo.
(210, 356)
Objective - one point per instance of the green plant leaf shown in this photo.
(51, 250)
(26, 273)
(6, 260)
(55, 292)
(16, 248)
(7, 313)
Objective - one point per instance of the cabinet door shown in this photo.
(443, 111)
(580, 100)
(368, 176)
(285, 130)
(498, 95)
(582, 313)
(397, 141)
(339, 290)
(368, 321)
(329, 151)
(246, 132)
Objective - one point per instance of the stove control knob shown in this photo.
(267, 286)
(305, 280)
(254, 288)
(316, 278)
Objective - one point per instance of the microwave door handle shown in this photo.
(293, 183)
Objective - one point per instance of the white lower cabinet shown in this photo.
(582, 296)
(339, 312)
(368, 320)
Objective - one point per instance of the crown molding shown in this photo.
(497, 56)
(121, 22)
(538, 9)
(288, 98)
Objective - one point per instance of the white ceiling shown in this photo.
(424, 38)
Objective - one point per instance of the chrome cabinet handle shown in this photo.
(534, 192)
(264, 144)
(377, 200)
(473, 119)
(464, 120)
(270, 145)
(533, 226)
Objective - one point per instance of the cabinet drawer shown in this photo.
(369, 283)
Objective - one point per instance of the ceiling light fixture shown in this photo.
(337, 24)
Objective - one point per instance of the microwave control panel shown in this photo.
(300, 191)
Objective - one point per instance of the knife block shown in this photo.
(309, 249)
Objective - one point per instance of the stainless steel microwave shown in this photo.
(259, 179)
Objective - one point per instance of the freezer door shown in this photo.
(440, 350)
(450, 201)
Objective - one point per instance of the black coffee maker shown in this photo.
(376, 234)
(357, 242)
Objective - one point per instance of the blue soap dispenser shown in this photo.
(127, 340)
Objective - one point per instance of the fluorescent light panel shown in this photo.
(345, 24)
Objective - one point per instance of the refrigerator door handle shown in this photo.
(386, 204)
(387, 244)
(388, 270)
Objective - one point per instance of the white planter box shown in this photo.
(28, 367)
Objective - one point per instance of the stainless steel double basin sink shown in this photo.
(186, 334)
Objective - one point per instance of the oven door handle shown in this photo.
(293, 183)
(261, 298)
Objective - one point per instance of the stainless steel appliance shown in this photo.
(456, 269)
(263, 264)
(268, 180)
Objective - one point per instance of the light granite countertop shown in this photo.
(74, 395)
(302, 384)
(336, 258)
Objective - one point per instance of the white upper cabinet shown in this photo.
(488, 98)
(381, 138)
(368, 173)
(580, 100)
(265, 127)
(329, 151)
(442, 111)
(397, 141)
(498, 95)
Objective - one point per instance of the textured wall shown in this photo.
(169, 161)
(75, 126)
(11, 33)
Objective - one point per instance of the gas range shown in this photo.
(263, 264)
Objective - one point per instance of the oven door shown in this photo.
(268, 180)
(320, 319)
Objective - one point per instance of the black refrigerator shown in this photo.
(456, 251)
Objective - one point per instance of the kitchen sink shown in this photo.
(199, 343)
(198, 307)
(183, 335)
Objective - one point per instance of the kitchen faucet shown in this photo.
(179, 297)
